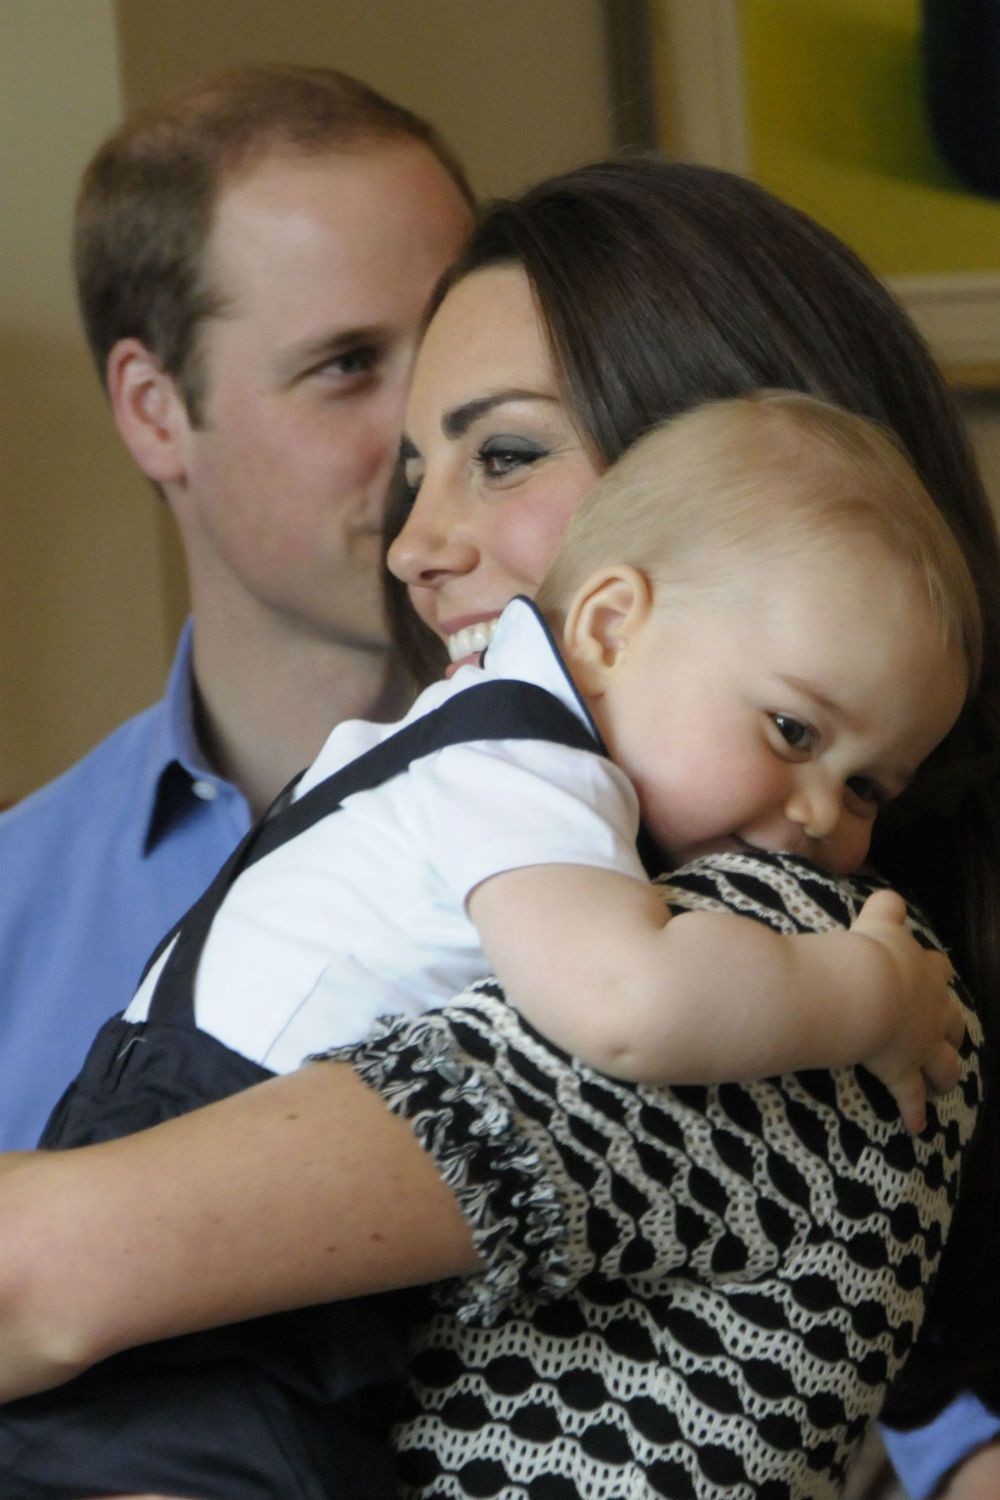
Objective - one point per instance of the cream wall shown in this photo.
(519, 87)
(82, 627)
(91, 588)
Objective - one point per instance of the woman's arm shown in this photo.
(300, 1190)
(307, 1187)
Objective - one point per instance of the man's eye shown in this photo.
(796, 734)
(352, 362)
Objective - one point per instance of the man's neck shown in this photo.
(268, 701)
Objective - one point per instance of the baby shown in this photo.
(757, 627)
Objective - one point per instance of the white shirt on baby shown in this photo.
(364, 914)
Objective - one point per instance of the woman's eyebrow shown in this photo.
(407, 449)
(456, 422)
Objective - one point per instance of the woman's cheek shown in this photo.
(534, 532)
(423, 602)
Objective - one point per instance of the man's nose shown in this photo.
(816, 804)
(431, 546)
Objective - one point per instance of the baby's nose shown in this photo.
(816, 806)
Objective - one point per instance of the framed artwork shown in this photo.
(822, 101)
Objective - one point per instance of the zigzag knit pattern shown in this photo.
(689, 1293)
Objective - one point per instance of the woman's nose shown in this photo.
(816, 805)
(430, 547)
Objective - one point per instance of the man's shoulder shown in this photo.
(104, 784)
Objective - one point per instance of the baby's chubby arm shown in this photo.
(595, 960)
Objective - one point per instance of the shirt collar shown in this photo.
(174, 761)
(524, 647)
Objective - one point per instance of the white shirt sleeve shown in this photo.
(492, 806)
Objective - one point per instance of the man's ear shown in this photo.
(602, 619)
(149, 411)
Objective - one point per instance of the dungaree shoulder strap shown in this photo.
(491, 710)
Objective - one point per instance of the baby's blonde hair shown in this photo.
(755, 476)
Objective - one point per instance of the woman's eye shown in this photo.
(502, 456)
(794, 733)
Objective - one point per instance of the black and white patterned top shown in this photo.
(697, 1292)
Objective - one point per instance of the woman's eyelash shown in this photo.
(496, 458)
(500, 456)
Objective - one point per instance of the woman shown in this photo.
(724, 1243)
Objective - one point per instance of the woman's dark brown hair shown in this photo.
(663, 285)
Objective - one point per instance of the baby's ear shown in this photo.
(601, 620)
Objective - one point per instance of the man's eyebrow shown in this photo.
(456, 422)
(295, 358)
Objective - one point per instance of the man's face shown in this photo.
(325, 264)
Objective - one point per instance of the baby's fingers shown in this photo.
(955, 1029)
(939, 964)
(943, 1068)
(910, 1094)
(881, 906)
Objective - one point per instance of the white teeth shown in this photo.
(471, 640)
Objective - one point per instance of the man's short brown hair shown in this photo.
(146, 201)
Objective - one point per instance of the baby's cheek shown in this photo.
(850, 850)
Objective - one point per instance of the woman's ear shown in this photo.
(148, 409)
(602, 620)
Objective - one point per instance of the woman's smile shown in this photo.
(492, 458)
(467, 641)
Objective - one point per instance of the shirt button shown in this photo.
(206, 790)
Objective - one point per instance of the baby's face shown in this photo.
(781, 714)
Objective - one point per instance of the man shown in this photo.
(252, 260)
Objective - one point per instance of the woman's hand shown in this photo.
(301, 1190)
(922, 1048)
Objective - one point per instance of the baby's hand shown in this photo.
(922, 1049)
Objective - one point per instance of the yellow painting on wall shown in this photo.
(836, 120)
(822, 101)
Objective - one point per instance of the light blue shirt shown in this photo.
(922, 1458)
(94, 869)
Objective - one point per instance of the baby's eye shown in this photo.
(867, 791)
(502, 456)
(795, 734)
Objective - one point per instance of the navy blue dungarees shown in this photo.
(295, 1406)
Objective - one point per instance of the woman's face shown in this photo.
(494, 459)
